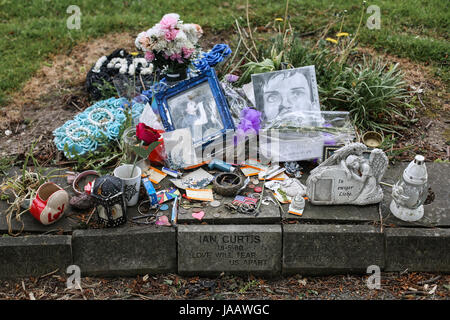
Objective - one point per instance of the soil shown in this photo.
(56, 93)
(393, 286)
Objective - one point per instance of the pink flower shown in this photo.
(149, 56)
(171, 34)
(187, 52)
(176, 56)
(169, 21)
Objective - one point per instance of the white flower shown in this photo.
(131, 69)
(138, 39)
(148, 70)
(99, 64)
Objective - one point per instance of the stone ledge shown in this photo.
(237, 249)
(331, 249)
(417, 249)
(34, 255)
(126, 251)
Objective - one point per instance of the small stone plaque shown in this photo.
(330, 249)
(418, 249)
(236, 249)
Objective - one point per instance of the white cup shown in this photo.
(131, 185)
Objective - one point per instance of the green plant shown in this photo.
(106, 89)
(374, 94)
(249, 285)
(23, 187)
(6, 163)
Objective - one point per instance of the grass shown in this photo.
(33, 30)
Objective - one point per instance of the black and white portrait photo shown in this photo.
(196, 109)
(285, 94)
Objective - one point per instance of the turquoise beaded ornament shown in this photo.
(94, 127)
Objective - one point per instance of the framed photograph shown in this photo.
(328, 151)
(198, 104)
(282, 94)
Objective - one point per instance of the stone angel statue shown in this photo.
(351, 175)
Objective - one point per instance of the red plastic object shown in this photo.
(50, 202)
(157, 156)
(257, 189)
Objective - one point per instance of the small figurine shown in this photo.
(350, 176)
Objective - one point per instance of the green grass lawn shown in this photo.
(32, 30)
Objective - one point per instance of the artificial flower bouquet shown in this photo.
(170, 44)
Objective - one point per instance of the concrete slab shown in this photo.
(234, 249)
(331, 249)
(417, 249)
(34, 255)
(125, 251)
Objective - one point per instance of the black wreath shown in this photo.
(96, 81)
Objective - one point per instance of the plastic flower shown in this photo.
(169, 21)
(146, 134)
(149, 56)
(231, 78)
(187, 52)
(201, 65)
(177, 57)
(251, 119)
(250, 123)
(171, 34)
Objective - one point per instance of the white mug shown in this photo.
(131, 185)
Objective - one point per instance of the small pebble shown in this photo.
(251, 186)
(255, 181)
(164, 207)
(197, 210)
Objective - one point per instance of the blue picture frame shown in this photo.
(208, 76)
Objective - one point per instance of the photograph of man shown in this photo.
(286, 93)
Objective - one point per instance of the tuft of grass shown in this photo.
(374, 93)
(31, 31)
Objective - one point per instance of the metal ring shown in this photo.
(139, 207)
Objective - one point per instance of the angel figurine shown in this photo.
(351, 175)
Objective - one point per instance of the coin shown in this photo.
(215, 203)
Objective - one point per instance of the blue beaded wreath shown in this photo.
(95, 126)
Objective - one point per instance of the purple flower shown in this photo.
(231, 78)
(250, 123)
(329, 138)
